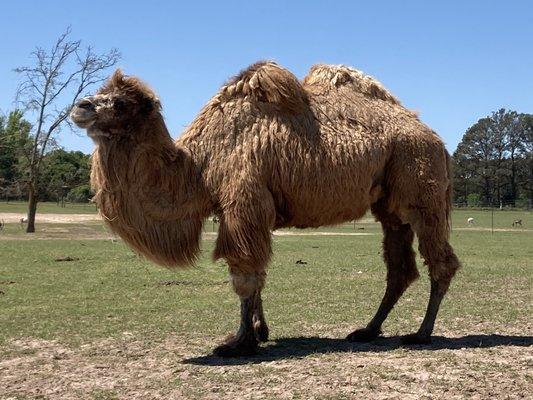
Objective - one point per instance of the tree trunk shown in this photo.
(32, 207)
(498, 192)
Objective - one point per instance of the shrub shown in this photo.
(523, 202)
(473, 200)
(79, 194)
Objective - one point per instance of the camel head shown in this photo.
(122, 106)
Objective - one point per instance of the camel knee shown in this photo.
(444, 271)
(399, 280)
(246, 284)
(401, 267)
(404, 277)
(442, 266)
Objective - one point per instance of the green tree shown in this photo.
(525, 163)
(64, 171)
(80, 194)
(14, 142)
(473, 160)
(492, 158)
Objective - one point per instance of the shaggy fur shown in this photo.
(269, 151)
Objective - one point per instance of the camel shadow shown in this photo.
(300, 347)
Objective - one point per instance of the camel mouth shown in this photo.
(82, 117)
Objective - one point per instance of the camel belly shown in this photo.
(321, 189)
(312, 209)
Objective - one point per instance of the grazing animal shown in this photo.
(517, 222)
(470, 221)
(266, 152)
(2, 225)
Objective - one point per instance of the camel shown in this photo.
(269, 151)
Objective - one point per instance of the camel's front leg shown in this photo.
(253, 327)
(244, 241)
(260, 325)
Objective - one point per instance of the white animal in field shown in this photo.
(470, 221)
(23, 221)
(517, 222)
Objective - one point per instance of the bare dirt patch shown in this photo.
(472, 366)
(50, 218)
(289, 233)
(80, 218)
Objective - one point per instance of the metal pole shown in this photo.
(492, 218)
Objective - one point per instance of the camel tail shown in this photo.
(449, 192)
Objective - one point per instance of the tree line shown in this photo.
(493, 163)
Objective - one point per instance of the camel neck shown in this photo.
(150, 195)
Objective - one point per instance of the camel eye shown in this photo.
(119, 105)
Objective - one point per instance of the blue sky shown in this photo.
(452, 61)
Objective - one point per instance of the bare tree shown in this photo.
(48, 89)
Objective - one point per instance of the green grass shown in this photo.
(110, 325)
(107, 290)
(48, 208)
(70, 231)
(484, 218)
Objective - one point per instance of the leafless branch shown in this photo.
(52, 85)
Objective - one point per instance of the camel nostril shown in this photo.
(85, 104)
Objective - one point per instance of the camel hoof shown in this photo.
(363, 335)
(237, 347)
(416, 338)
(261, 332)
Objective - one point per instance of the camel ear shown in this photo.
(117, 78)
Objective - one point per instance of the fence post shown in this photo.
(492, 218)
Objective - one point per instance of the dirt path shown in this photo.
(10, 218)
(288, 233)
(480, 366)
(75, 218)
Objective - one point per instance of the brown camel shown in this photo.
(266, 152)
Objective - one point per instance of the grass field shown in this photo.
(108, 325)
(48, 208)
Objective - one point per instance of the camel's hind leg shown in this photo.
(431, 229)
(401, 270)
